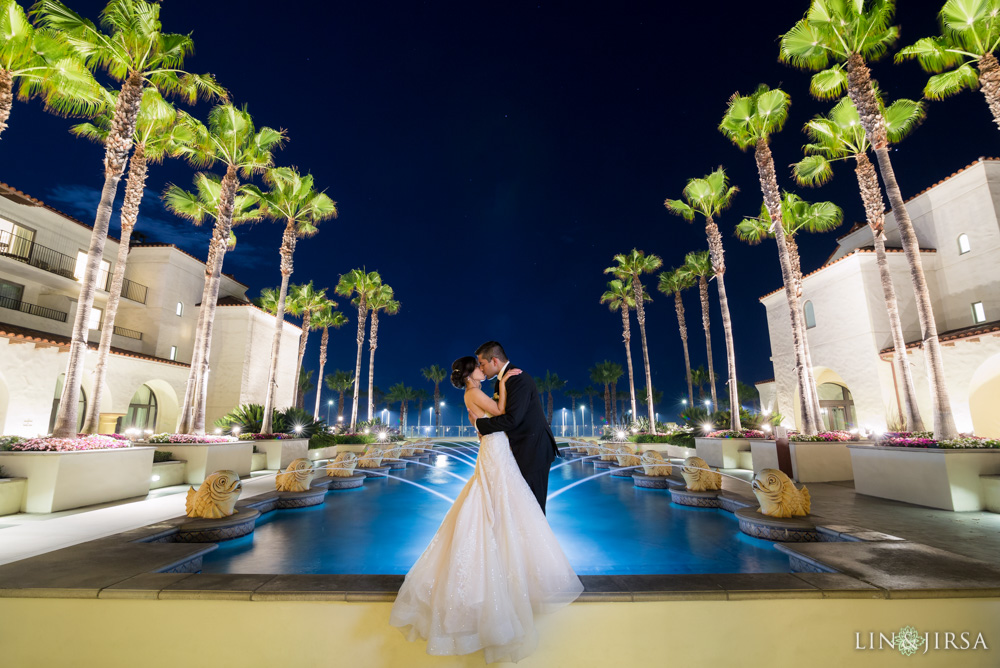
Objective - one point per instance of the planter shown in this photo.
(764, 455)
(680, 452)
(204, 459)
(812, 461)
(722, 452)
(935, 477)
(316, 454)
(356, 448)
(12, 495)
(63, 480)
(282, 452)
(167, 474)
(258, 462)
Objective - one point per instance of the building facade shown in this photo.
(958, 229)
(43, 251)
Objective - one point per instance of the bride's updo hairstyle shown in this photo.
(461, 369)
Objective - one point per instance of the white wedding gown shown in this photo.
(493, 564)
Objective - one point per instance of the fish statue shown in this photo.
(778, 496)
(371, 458)
(216, 497)
(653, 464)
(406, 451)
(297, 477)
(343, 465)
(626, 456)
(699, 476)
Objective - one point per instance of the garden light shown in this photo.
(708, 402)
(620, 435)
(298, 429)
(236, 431)
(708, 426)
(218, 431)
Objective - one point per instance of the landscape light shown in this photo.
(708, 402)
(340, 418)
(298, 428)
(767, 428)
(218, 431)
(236, 430)
(382, 435)
(708, 426)
(620, 435)
(155, 478)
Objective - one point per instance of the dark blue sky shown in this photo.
(489, 159)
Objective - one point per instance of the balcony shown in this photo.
(23, 249)
(128, 333)
(33, 309)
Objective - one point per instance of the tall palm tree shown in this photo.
(420, 396)
(970, 33)
(621, 297)
(435, 374)
(380, 300)
(291, 199)
(750, 120)
(848, 35)
(709, 197)
(839, 136)
(633, 265)
(613, 372)
(547, 385)
(698, 268)
(361, 284)
(591, 392)
(673, 282)
(135, 51)
(306, 302)
(324, 320)
(699, 376)
(35, 62)
(155, 137)
(573, 396)
(402, 395)
(599, 375)
(340, 381)
(304, 385)
(657, 395)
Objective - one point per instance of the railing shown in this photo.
(466, 431)
(24, 307)
(128, 333)
(134, 291)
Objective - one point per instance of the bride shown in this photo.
(494, 562)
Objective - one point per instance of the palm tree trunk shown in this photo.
(772, 199)
(372, 345)
(614, 403)
(989, 83)
(717, 254)
(590, 398)
(627, 338)
(682, 327)
(437, 409)
(703, 292)
(640, 313)
(402, 418)
(187, 404)
(862, 93)
(134, 186)
(607, 404)
(362, 319)
(340, 404)
(288, 240)
(6, 97)
(117, 148)
(303, 340)
(793, 256)
(323, 342)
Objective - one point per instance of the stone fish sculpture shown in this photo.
(216, 497)
(653, 464)
(297, 477)
(405, 451)
(371, 458)
(778, 496)
(626, 456)
(699, 477)
(343, 465)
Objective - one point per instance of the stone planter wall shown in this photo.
(12, 495)
(678, 452)
(167, 474)
(316, 454)
(258, 461)
(722, 452)
(935, 477)
(812, 461)
(282, 452)
(64, 480)
(204, 459)
(764, 455)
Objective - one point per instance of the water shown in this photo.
(605, 526)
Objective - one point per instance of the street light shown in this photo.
(583, 417)
(329, 405)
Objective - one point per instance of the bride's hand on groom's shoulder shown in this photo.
(511, 373)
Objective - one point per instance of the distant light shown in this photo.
(581, 408)
(148, 432)
(382, 435)
(708, 402)
(340, 418)
(684, 401)
(634, 430)
(854, 431)
(442, 403)
(329, 403)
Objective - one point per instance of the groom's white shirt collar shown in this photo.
(502, 369)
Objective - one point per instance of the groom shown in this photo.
(531, 440)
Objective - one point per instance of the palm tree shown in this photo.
(711, 196)
(306, 302)
(849, 34)
(36, 62)
(304, 385)
(380, 300)
(673, 282)
(599, 375)
(155, 137)
(699, 377)
(970, 33)
(291, 199)
(591, 392)
(613, 372)
(698, 267)
(747, 393)
(547, 385)
(750, 120)
(420, 396)
(435, 374)
(403, 395)
(657, 395)
(621, 296)
(139, 54)
(839, 136)
(573, 395)
(340, 381)
(324, 320)
(361, 284)
(633, 265)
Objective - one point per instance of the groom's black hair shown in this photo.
(491, 349)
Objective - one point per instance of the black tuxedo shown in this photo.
(531, 440)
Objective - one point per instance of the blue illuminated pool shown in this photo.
(606, 526)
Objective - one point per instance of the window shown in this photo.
(180, 308)
(978, 313)
(15, 240)
(95, 318)
(141, 411)
(102, 275)
(10, 294)
(963, 244)
(173, 353)
(810, 314)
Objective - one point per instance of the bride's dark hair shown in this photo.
(461, 369)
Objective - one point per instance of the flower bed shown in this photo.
(89, 442)
(732, 433)
(265, 437)
(824, 437)
(189, 439)
(960, 443)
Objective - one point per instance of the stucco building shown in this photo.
(958, 228)
(42, 251)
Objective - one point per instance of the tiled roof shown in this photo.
(856, 251)
(764, 382)
(229, 300)
(13, 194)
(14, 332)
(955, 334)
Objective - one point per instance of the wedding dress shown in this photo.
(493, 564)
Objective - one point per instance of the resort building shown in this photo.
(42, 254)
(958, 229)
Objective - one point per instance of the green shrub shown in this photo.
(8, 442)
(650, 438)
(325, 440)
(250, 419)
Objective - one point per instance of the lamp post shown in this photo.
(583, 417)
(442, 419)
(564, 422)
(576, 432)
(430, 417)
(329, 404)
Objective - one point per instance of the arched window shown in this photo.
(141, 410)
(963, 244)
(81, 409)
(810, 313)
(837, 406)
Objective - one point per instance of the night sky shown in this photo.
(489, 159)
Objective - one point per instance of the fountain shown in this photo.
(702, 485)
(341, 472)
(296, 488)
(212, 509)
(626, 462)
(655, 472)
(370, 462)
(784, 510)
